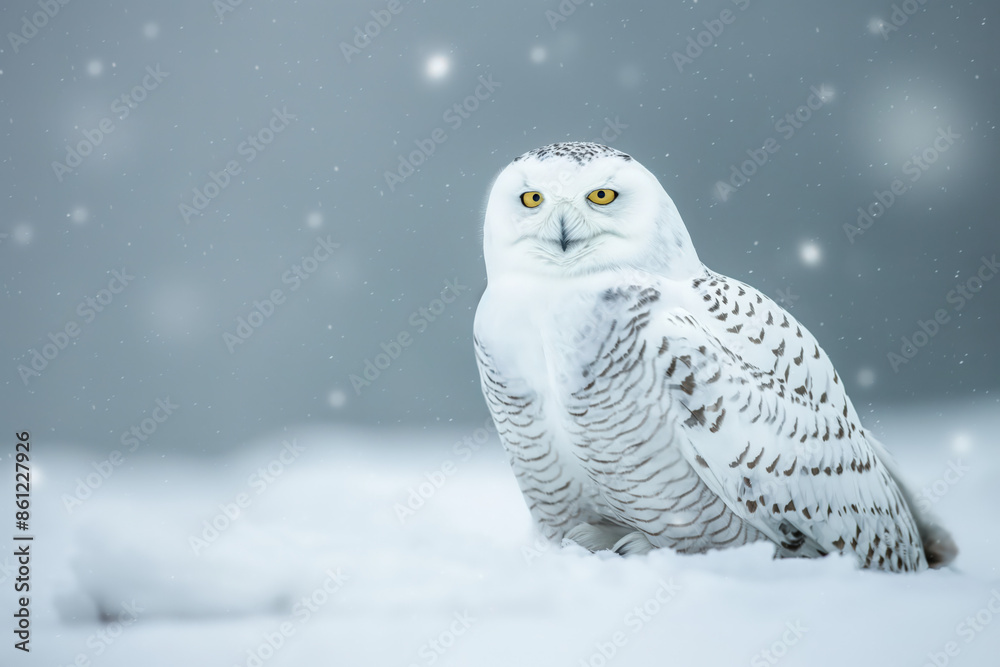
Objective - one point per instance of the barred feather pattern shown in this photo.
(625, 430)
(556, 499)
(653, 424)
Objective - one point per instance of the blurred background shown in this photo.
(214, 152)
(240, 256)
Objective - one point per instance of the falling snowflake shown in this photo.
(337, 398)
(79, 215)
(810, 253)
(438, 66)
(23, 233)
(961, 443)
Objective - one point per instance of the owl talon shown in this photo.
(634, 543)
(595, 537)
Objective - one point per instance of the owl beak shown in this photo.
(565, 242)
(564, 228)
(563, 236)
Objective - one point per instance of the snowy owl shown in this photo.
(645, 401)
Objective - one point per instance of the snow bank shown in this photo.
(405, 548)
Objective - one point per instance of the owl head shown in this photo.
(570, 209)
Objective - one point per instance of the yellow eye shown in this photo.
(531, 199)
(602, 197)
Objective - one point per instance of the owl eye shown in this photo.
(531, 199)
(602, 197)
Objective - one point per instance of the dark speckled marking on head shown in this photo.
(581, 152)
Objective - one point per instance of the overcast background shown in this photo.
(886, 96)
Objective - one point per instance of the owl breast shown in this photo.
(616, 423)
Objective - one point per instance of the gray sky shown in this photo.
(189, 168)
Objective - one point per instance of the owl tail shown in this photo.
(939, 546)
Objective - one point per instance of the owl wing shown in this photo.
(792, 464)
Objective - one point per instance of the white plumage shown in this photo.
(645, 401)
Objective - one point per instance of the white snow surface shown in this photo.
(464, 580)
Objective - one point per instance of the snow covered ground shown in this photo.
(322, 566)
